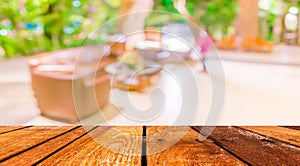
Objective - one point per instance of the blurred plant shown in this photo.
(32, 26)
(214, 15)
(270, 10)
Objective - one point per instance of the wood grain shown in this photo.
(164, 146)
(281, 133)
(255, 149)
(102, 146)
(293, 127)
(6, 129)
(187, 151)
(34, 155)
(20, 140)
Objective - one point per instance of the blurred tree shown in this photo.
(32, 26)
(216, 16)
(272, 13)
(247, 24)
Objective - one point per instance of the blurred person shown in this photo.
(204, 42)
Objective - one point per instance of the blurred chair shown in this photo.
(60, 94)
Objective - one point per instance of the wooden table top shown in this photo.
(75, 145)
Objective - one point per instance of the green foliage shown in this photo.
(161, 18)
(219, 15)
(271, 10)
(32, 26)
(215, 15)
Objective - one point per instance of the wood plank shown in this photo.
(6, 129)
(17, 141)
(254, 148)
(96, 148)
(35, 154)
(187, 151)
(281, 133)
(293, 127)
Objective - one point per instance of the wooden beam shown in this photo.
(281, 133)
(293, 127)
(102, 146)
(255, 149)
(17, 141)
(6, 129)
(35, 154)
(187, 151)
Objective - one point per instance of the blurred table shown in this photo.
(73, 145)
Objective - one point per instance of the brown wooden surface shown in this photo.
(166, 145)
(35, 154)
(96, 150)
(255, 149)
(293, 127)
(284, 134)
(6, 129)
(188, 151)
(19, 140)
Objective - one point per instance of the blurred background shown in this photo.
(31, 26)
(257, 44)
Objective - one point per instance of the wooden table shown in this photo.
(73, 145)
